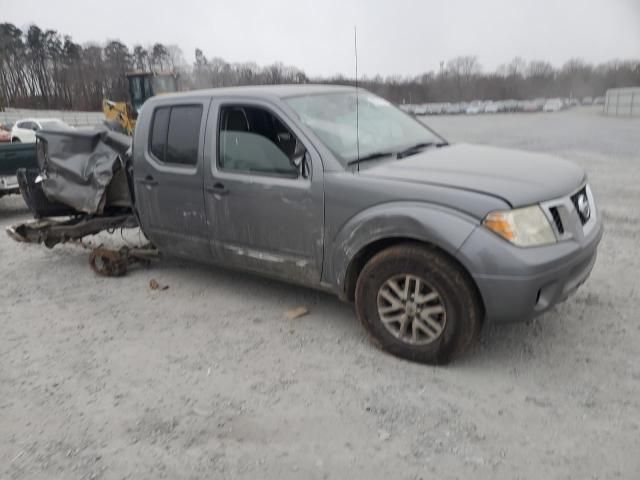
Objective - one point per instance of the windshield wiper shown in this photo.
(401, 154)
(417, 147)
(370, 156)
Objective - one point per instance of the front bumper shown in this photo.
(517, 284)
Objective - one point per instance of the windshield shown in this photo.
(381, 126)
(164, 84)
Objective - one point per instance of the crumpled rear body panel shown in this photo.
(84, 169)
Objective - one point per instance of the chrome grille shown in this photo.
(572, 215)
(556, 219)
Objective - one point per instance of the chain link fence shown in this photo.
(76, 119)
(623, 101)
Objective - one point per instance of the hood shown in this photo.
(520, 178)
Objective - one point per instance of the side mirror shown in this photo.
(301, 160)
(35, 128)
(302, 163)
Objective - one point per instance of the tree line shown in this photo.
(42, 68)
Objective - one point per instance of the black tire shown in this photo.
(456, 291)
(15, 140)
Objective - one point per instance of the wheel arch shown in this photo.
(379, 228)
(372, 249)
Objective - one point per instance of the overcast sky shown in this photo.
(394, 36)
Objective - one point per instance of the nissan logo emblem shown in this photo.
(583, 206)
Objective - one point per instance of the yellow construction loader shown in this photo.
(121, 116)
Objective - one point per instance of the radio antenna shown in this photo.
(355, 49)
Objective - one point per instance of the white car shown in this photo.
(492, 107)
(24, 131)
(553, 105)
(474, 108)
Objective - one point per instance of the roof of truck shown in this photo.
(278, 91)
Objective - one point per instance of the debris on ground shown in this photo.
(114, 263)
(294, 313)
(155, 285)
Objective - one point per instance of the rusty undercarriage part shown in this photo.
(115, 263)
(51, 232)
(103, 261)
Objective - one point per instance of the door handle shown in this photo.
(149, 180)
(217, 189)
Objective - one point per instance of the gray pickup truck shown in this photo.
(337, 189)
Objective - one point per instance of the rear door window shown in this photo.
(158, 142)
(184, 132)
(175, 134)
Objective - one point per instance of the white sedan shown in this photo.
(24, 131)
(553, 105)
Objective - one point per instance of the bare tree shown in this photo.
(175, 58)
(462, 70)
(44, 69)
(141, 58)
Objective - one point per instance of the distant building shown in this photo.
(623, 101)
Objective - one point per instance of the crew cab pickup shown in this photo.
(337, 189)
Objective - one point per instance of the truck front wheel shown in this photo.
(418, 304)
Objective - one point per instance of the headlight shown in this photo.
(524, 227)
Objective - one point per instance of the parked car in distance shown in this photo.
(474, 108)
(420, 109)
(598, 101)
(452, 109)
(492, 107)
(529, 106)
(428, 239)
(587, 101)
(435, 108)
(24, 131)
(553, 105)
(510, 105)
(540, 103)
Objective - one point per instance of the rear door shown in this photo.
(264, 191)
(168, 176)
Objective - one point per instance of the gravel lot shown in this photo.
(106, 378)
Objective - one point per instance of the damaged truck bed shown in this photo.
(79, 188)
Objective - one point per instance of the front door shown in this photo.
(168, 176)
(264, 193)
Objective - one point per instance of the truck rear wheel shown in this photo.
(418, 304)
